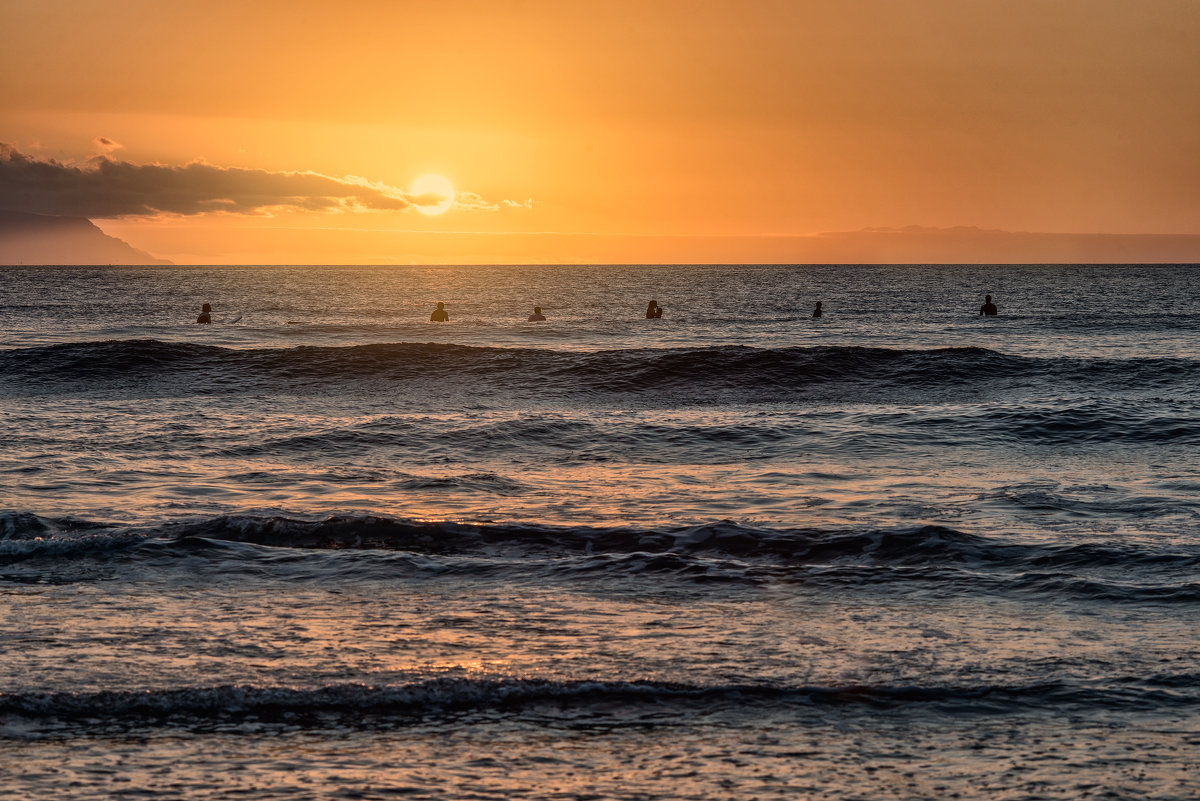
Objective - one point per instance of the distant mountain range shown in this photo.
(971, 245)
(43, 239)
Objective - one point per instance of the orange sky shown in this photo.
(639, 130)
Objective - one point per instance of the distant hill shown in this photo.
(970, 245)
(43, 239)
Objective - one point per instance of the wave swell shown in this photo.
(364, 703)
(722, 551)
(730, 368)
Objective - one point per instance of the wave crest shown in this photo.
(750, 371)
(439, 696)
(915, 546)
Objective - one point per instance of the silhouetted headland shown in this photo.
(46, 239)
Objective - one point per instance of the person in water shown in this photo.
(653, 311)
(205, 314)
(817, 311)
(440, 315)
(988, 307)
(537, 316)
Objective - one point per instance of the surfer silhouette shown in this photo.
(205, 314)
(653, 311)
(988, 307)
(440, 315)
(817, 311)
(537, 316)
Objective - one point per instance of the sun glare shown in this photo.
(428, 186)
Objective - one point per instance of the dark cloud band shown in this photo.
(108, 188)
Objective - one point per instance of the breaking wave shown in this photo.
(722, 551)
(396, 703)
(738, 369)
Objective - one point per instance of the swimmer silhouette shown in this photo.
(817, 311)
(988, 307)
(537, 316)
(653, 311)
(205, 314)
(440, 315)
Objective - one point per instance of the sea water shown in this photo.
(335, 550)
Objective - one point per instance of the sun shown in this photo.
(428, 188)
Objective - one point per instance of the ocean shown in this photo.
(325, 548)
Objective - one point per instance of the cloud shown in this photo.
(473, 202)
(104, 145)
(105, 187)
(427, 199)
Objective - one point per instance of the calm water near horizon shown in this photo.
(332, 549)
